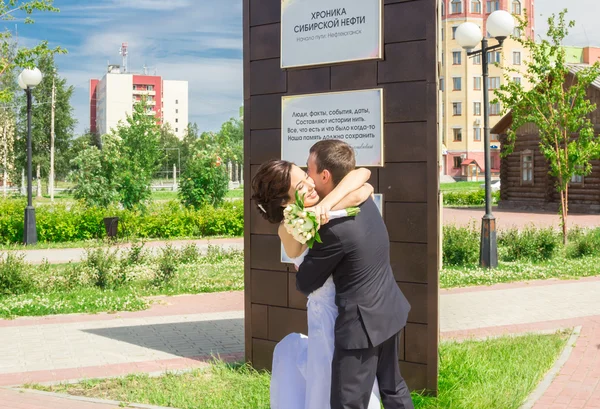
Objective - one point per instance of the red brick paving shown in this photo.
(11, 399)
(70, 374)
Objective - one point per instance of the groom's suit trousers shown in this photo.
(354, 372)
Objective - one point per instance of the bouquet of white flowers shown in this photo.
(302, 224)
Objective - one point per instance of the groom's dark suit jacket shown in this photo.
(356, 250)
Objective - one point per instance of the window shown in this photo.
(176, 129)
(457, 162)
(457, 108)
(456, 83)
(477, 59)
(476, 6)
(454, 32)
(442, 84)
(442, 33)
(495, 109)
(177, 111)
(176, 120)
(455, 6)
(577, 178)
(443, 9)
(443, 58)
(476, 83)
(517, 80)
(149, 87)
(494, 82)
(494, 57)
(456, 57)
(477, 108)
(457, 134)
(493, 5)
(517, 32)
(527, 167)
(477, 134)
(177, 101)
(516, 7)
(517, 57)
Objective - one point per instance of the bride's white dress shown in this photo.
(301, 373)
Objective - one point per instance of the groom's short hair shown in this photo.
(334, 155)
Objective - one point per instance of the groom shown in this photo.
(372, 309)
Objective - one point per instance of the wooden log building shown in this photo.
(525, 180)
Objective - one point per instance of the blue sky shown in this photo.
(195, 40)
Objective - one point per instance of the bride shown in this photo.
(301, 372)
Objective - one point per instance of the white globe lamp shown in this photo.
(500, 24)
(20, 82)
(30, 77)
(468, 35)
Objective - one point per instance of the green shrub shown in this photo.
(189, 254)
(530, 244)
(160, 220)
(103, 266)
(167, 263)
(225, 220)
(14, 277)
(460, 245)
(473, 198)
(583, 242)
(204, 181)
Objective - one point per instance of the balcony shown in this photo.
(143, 92)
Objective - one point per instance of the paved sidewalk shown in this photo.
(506, 219)
(59, 256)
(184, 332)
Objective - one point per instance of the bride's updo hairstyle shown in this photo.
(270, 189)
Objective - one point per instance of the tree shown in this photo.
(557, 105)
(204, 180)
(24, 57)
(64, 122)
(170, 151)
(94, 172)
(139, 151)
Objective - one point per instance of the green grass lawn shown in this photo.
(491, 374)
(507, 272)
(103, 283)
(460, 186)
(73, 287)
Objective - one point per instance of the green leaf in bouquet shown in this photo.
(318, 238)
(299, 200)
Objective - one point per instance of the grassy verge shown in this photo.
(491, 374)
(460, 186)
(103, 283)
(107, 281)
(508, 272)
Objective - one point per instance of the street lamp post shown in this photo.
(500, 25)
(28, 79)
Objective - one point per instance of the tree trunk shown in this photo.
(564, 209)
(39, 181)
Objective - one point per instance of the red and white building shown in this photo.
(112, 98)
